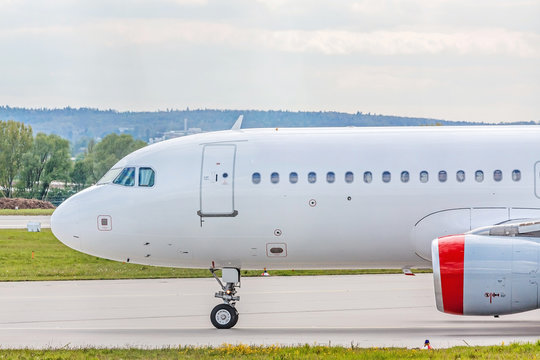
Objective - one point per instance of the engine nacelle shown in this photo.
(485, 275)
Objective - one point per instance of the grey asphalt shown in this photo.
(365, 310)
(20, 221)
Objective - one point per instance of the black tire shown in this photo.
(224, 316)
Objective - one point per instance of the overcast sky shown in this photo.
(449, 59)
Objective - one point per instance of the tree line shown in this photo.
(29, 164)
(84, 123)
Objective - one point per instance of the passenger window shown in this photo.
(349, 177)
(443, 176)
(293, 178)
(424, 176)
(368, 177)
(404, 176)
(497, 175)
(330, 177)
(274, 178)
(460, 176)
(516, 175)
(312, 177)
(479, 175)
(256, 178)
(146, 177)
(386, 177)
(126, 177)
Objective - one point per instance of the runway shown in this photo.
(365, 310)
(20, 221)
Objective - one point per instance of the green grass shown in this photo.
(514, 351)
(26, 212)
(55, 261)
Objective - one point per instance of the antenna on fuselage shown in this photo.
(238, 124)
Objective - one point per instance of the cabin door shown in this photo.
(217, 181)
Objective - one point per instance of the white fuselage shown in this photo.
(205, 208)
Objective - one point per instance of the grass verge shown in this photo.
(40, 256)
(514, 351)
(26, 212)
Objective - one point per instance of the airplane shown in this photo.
(462, 200)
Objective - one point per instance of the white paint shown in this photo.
(372, 229)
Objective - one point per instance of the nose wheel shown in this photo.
(225, 316)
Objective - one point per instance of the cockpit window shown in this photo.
(146, 177)
(109, 176)
(126, 177)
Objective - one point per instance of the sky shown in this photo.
(457, 60)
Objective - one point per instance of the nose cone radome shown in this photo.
(65, 223)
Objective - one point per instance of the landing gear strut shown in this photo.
(225, 316)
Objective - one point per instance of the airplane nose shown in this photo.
(65, 223)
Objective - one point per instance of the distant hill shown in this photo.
(76, 124)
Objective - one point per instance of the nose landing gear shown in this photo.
(225, 316)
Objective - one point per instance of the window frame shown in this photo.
(478, 173)
(259, 178)
(100, 181)
(139, 177)
(330, 175)
(442, 176)
(121, 172)
(291, 177)
(464, 176)
(405, 176)
(365, 177)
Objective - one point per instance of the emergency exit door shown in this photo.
(217, 181)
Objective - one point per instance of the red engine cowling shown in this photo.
(485, 275)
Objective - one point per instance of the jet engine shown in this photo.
(489, 271)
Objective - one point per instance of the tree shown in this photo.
(15, 140)
(82, 173)
(57, 166)
(47, 160)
